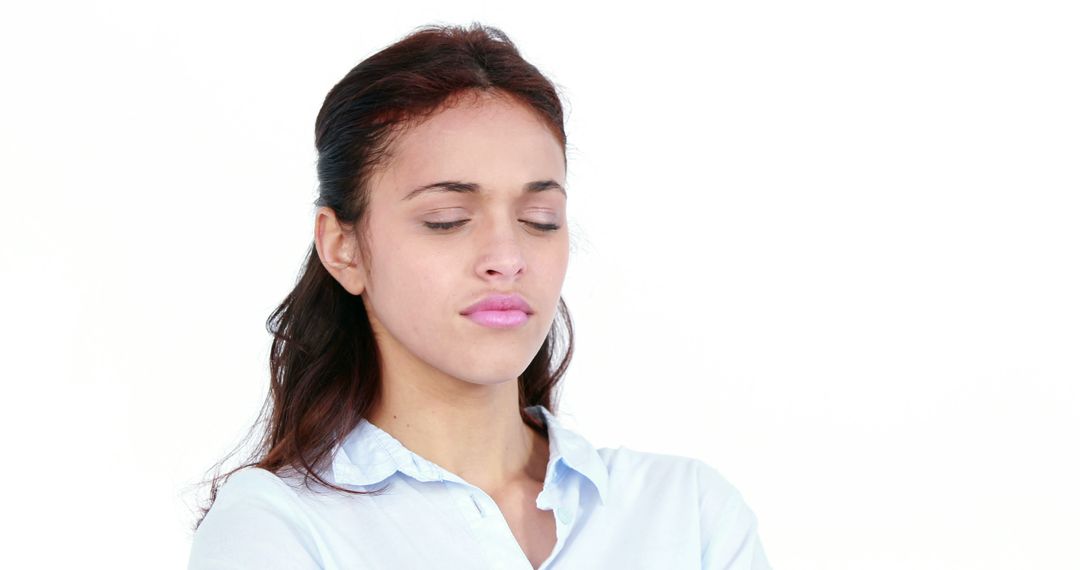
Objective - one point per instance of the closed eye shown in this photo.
(444, 225)
(451, 225)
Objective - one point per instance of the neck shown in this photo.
(472, 430)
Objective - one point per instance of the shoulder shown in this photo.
(669, 469)
(256, 520)
(253, 489)
(688, 481)
(253, 482)
(727, 525)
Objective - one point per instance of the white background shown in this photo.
(831, 248)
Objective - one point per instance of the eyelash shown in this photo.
(443, 226)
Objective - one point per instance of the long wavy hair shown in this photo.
(324, 361)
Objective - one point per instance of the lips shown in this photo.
(499, 302)
(499, 311)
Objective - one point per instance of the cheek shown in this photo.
(556, 261)
(414, 288)
(550, 274)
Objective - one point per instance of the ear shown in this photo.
(338, 251)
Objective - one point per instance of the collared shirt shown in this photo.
(614, 508)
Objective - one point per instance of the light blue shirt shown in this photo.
(614, 508)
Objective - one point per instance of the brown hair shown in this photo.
(324, 362)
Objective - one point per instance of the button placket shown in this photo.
(499, 547)
(479, 504)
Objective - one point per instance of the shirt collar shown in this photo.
(368, 455)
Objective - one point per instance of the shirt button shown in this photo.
(563, 515)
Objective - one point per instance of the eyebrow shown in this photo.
(466, 187)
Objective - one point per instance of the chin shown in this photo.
(490, 375)
(485, 382)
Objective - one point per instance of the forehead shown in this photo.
(493, 141)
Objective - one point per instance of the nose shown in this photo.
(501, 256)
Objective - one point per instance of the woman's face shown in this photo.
(423, 277)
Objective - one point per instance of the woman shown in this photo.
(411, 407)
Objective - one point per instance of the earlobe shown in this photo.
(337, 251)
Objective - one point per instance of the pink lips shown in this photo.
(499, 311)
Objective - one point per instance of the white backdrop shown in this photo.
(831, 248)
